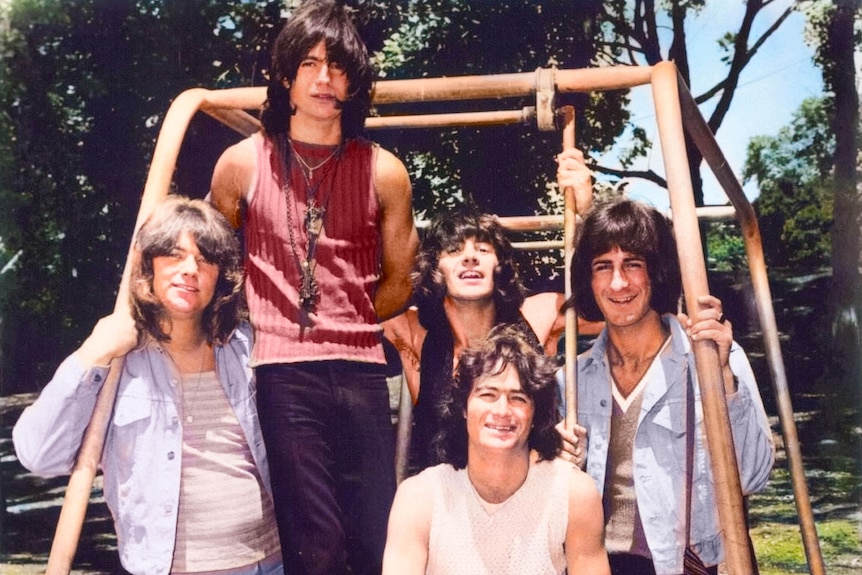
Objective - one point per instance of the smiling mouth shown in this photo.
(500, 428)
(186, 288)
(470, 275)
(622, 301)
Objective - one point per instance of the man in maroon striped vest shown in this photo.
(329, 237)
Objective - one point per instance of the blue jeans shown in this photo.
(269, 566)
(331, 449)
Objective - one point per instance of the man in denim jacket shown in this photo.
(632, 390)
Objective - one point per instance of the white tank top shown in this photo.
(524, 534)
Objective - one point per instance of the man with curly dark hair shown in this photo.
(465, 282)
(501, 502)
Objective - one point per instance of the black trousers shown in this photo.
(330, 444)
(627, 564)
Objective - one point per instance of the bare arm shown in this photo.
(585, 545)
(406, 550)
(397, 232)
(544, 313)
(407, 335)
(231, 180)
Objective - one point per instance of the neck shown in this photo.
(632, 349)
(640, 340)
(186, 336)
(470, 320)
(497, 476)
(188, 348)
(324, 133)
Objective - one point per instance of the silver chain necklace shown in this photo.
(309, 290)
(309, 169)
(187, 405)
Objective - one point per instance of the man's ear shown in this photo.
(286, 83)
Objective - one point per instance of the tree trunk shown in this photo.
(840, 76)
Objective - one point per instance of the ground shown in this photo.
(828, 427)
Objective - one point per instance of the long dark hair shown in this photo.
(633, 227)
(315, 21)
(216, 241)
(449, 231)
(503, 347)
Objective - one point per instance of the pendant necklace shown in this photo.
(315, 212)
(187, 415)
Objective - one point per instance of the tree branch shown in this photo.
(648, 175)
(709, 94)
(741, 57)
(775, 25)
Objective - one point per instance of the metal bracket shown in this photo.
(545, 96)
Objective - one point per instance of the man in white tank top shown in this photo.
(501, 502)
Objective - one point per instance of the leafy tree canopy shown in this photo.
(85, 85)
(792, 170)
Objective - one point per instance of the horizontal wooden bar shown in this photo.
(493, 118)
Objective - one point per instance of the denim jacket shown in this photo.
(143, 447)
(659, 457)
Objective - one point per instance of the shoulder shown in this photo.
(233, 176)
(543, 307)
(235, 166)
(544, 312)
(416, 483)
(583, 493)
(429, 478)
(243, 332)
(241, 155)
(390, 174)
(414, 494)
(241, 339)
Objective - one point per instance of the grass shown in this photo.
(780, 552)
(834, 483)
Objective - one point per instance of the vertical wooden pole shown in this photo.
(404, 432)
(570, 215)
(725, 471)
(699, 131)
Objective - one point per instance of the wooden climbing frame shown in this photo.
(676, 113)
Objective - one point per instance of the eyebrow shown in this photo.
(633, 257)
(482, 386)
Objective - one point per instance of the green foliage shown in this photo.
(84, 87)
(818, 14)
(795, 201)
(86, 83)
(726, 247)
